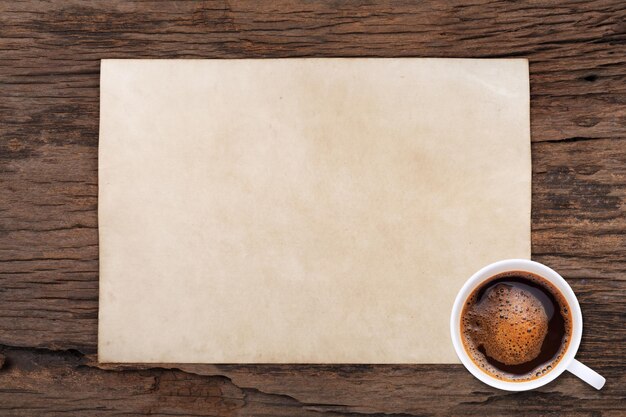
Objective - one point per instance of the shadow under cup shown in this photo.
(513, 266)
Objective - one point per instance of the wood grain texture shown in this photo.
(49, 78)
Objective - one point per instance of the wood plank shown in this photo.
(49, 80)
(59, 383)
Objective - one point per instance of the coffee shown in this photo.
(516, 326)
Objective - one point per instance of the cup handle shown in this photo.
(587, 374)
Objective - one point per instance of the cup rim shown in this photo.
(486, 273)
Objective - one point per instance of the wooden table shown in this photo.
(49, 75)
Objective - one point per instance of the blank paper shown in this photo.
(304, 210)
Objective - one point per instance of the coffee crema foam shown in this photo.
(516, 326)
(510, 323)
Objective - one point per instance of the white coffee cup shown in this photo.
(567, 362)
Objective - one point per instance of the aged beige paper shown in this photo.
(304, 210)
